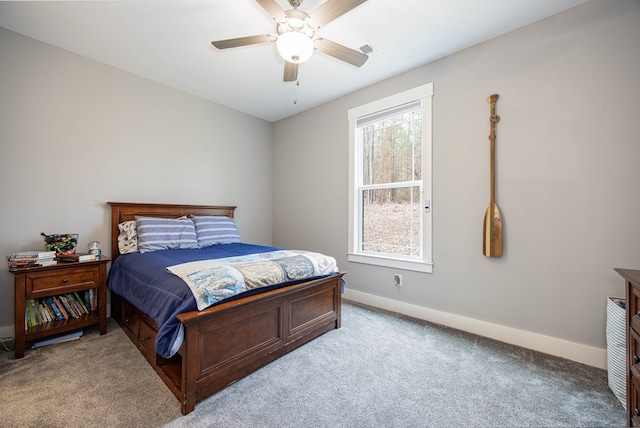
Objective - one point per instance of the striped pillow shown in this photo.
(155, 233)
(213, 230)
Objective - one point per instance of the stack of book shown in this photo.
(31, 259)
(60, 307)
(77, 257)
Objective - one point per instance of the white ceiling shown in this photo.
(169, 41)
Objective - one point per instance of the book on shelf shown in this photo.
(84, 307)
(45, 311)
(77, 257)
(36, 310)
(67, 307)
(30, 316)
(74, 305)
(80, 308)
(60, 307)
(89, 300)
(54, 308)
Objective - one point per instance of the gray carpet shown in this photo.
(379, 369)
(95, 381)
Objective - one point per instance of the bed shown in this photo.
(230, 339)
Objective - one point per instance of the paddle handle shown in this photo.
(492, 138)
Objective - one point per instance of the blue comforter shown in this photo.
(142, 279)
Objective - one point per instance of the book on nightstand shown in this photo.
(31, 259)
(77, 257)
(30, 255)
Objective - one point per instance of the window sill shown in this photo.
(418, 266)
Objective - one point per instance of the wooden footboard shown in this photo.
(226, 342)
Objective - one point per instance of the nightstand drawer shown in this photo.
(44, 282)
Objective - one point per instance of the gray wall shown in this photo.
(568, 146)
(75, 134)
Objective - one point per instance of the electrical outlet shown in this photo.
(397, 280)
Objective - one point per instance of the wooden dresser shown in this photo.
(632, 291)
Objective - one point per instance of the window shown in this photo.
(390, 181)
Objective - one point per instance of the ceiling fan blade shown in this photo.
(331, 10)
(340, 52)
(243, 41)
(273, 9)
(290, 71)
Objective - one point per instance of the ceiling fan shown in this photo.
(296, 31)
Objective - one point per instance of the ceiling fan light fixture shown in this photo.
(294, 47)
(296, 23)
(295, 34)
(296, 19)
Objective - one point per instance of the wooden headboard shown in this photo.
(125, 211)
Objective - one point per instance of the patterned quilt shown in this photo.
(216, 279)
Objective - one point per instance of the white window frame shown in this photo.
(422, 93)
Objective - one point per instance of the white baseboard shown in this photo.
(584, 354)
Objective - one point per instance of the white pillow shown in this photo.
(128, 237)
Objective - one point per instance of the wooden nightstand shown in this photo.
(87, 280)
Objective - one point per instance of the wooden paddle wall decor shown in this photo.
(492, 239)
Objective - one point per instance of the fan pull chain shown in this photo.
(295, 92)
